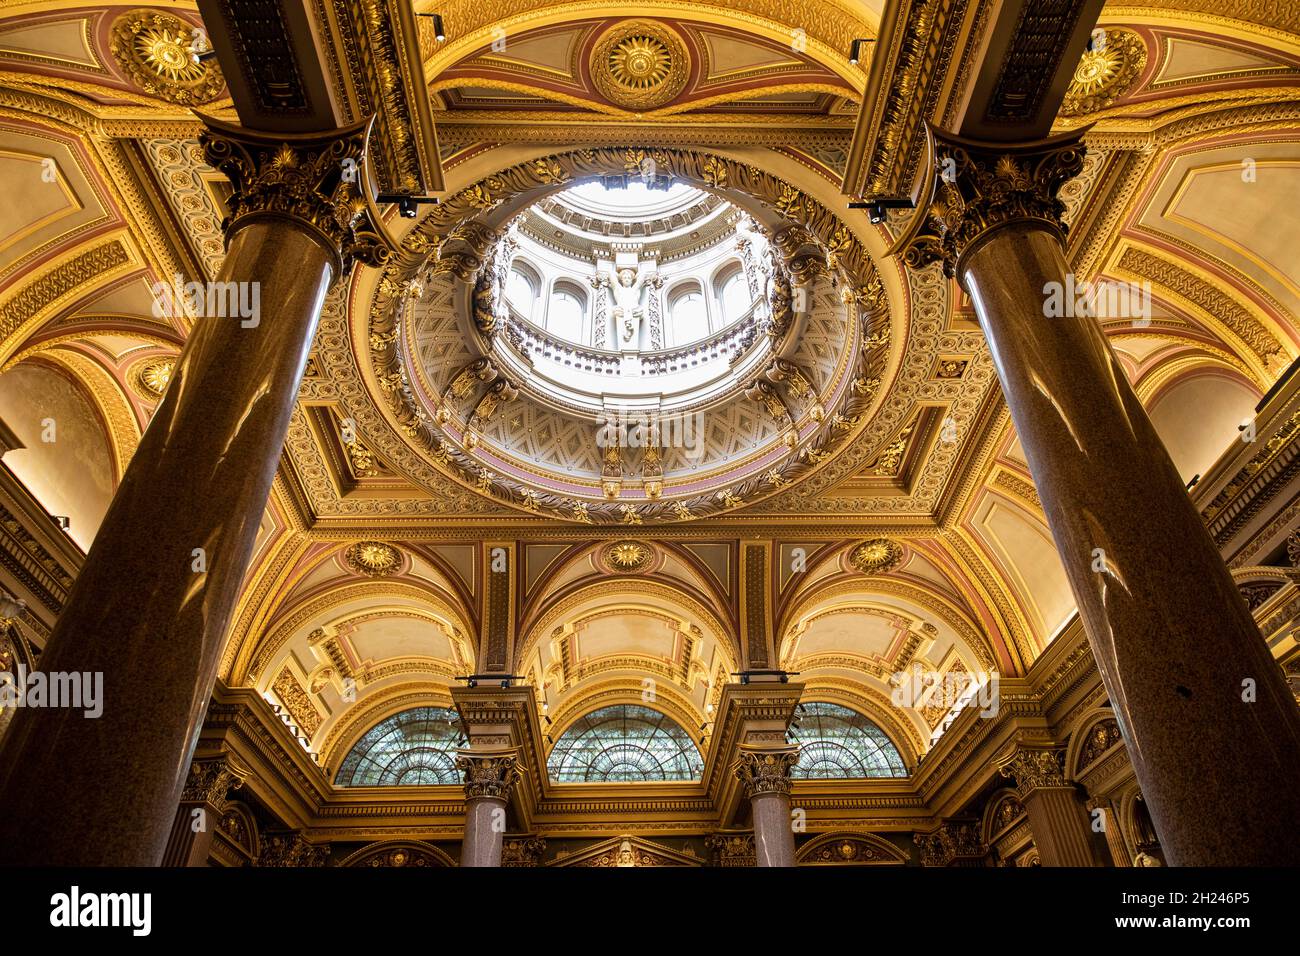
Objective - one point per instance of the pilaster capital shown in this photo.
(489, 774)
(1034, 768)
(211, 779)
(314, 180)
(765, 769)
(975, 187)
(953, 841)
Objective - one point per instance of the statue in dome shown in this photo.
(628, 312)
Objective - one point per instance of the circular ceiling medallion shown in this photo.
(627, 555)
(151, 378)
(876, 556)
(640, 64)
(158, 52)
(373, 558)
(1105, 73)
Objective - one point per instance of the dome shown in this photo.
(624, 346)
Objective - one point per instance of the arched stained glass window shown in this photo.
(414, 747)
(835, 742)
(624, 743)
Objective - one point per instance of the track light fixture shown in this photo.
(876, 207)
(439, 33)
(855, 50)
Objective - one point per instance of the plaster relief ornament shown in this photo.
(160, 53)
(628, 311)
(1106, 72)
(640, 64)
(876, 556)
(374, 559)
(627, 555)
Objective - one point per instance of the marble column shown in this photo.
(1057, 818)
(1213, 735)
(1119, 852)
(489, 778)
(204, 800)
(151, 606)
(764, 772)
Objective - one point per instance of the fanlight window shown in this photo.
(624, 743)
(408, 749)
(835, 742)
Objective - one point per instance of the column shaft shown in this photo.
(1173, 639)
(773, 834)
(484, 831)
(1060, 827)
(76, 791)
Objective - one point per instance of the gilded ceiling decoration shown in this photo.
(796, 420)
(627, 556)
(157, 50)
(1105, 73)
(151, 377)
(876, 556)
(373, 558)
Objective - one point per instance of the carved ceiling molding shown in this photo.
(994, 592)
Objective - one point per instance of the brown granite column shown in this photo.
(1175, 643)
(151, 606)
(489, 778)
(202, 803)
(764, 772)
(1057, 817)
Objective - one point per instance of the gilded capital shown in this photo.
(976, 187)
(1034, 768)
(211, 780)
(490, 774)
(314, 180)
(763, 771)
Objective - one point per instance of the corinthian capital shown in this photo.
(211, 780)
(979, 187)
(489, 774)
(765, 770)
(1033, 768)
(311, 179)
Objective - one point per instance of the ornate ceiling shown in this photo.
(376, 562)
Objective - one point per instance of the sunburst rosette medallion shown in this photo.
(1106, 72)
(640, 64)
(373, 559)
(876, 556)
(159, 52)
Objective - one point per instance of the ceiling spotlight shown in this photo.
(876, 207)
(439, 33)
(855, 50)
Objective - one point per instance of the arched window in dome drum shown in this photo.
(735, 297)
(521, 293)
(566, 315)
(838, 743)
(414, 747)
(625, 743)
(689, 317)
